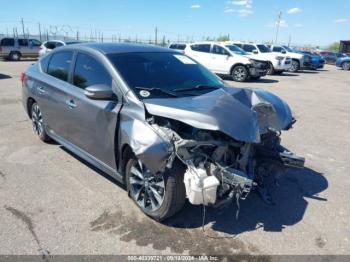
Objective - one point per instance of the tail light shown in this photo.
(22, 77)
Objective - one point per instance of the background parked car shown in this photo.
(317, 62)
(277, 63)
(343, 62)
(331, 57)
(15, 48)
(221, 60)
(299, 60)
(52, 44)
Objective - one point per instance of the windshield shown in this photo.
(152, 75)
(288, 49)
(264, 49)
(237, 50)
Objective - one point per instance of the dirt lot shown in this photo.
(52, 201)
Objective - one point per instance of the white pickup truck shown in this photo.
(299, 61)
(220, 59)
(277, 63)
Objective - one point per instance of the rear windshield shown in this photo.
(163, 71)
(264, 49)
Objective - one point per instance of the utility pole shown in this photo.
(156, 36)
(22, 22)
(278, 24)
(40, 33)
(290, 40)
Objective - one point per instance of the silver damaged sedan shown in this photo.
(159, 122)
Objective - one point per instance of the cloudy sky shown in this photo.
(305, 21)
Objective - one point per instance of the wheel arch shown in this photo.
(30, 102)
(238, 64)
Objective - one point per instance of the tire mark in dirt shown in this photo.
(30, 226)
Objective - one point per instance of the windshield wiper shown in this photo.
(195, 88)
(157, 89)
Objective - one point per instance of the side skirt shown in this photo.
(87, 157)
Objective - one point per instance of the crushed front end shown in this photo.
(228, 154)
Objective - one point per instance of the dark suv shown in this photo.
(15, 48)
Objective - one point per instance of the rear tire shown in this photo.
(15, 56)
(163, 203)
(239, 73)
(346, 66)
(38, 122)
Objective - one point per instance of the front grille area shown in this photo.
(261, 64)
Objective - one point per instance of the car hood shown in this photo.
(243, 114)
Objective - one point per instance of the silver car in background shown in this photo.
(14, 49)
(159, 122)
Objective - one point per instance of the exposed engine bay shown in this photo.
(219, 168)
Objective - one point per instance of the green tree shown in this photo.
(334, 47)
(223, 38)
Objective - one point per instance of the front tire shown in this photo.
(239, 73)
(295, 66)
(158, 196)
(271, 69)
(346, 66)
(38, 122)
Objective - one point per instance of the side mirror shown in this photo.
(99, 92)
(255, 52)
(283, 52)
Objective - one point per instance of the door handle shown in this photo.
(71, 104)
(41, 90)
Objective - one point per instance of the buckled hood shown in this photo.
(243, 114)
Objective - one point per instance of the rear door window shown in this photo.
(88, 71)
(7, 42)
(59, 65)
(22, 42)
(204, 48)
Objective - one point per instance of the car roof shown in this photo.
(119, 48)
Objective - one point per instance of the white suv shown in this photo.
(277, 63)
(221, 60)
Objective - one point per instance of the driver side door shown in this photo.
(91, 124)
(220, 60)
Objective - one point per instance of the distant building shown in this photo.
(344, 46)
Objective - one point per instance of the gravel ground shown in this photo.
(51, 201)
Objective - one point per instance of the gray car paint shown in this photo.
(227, 109)
(99, 131)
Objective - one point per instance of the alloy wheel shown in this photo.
(240, 74)
(37, 120)
(294, 67)
(346, 66)
(146, 189)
